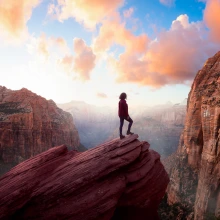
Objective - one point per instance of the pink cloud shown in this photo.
(60, 41)
(84, 60)
(67, 63)
(212, 19)
(173, 57)
(46, 46)
(81, 63)
(86, 12)
(14, 16)
(42, 46)
(132, 69)
(128, 13)
(109, 36)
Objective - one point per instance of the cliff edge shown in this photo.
(195, 176)
(120, 179)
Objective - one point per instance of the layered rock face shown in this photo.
(195, 176)
(29, 125)
(121, 179)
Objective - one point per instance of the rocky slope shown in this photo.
(195, 176)
(161, 125)
(121, 179)
(29, 125)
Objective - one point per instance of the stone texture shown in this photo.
(195, 177)
(120, 179)
(29, 125)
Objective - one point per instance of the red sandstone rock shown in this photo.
(29, 125)
(195, 177)
(120, 179)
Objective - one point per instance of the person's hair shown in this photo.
(123, 95)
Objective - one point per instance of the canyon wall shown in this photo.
(29, 125)
(195, 175)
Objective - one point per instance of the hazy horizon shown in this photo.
(128, 101)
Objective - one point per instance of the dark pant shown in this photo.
(122, 123)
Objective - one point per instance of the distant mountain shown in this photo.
(169, 103)
(160, 125)
(93, 123)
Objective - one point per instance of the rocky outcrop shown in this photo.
(29, 125)
(121, 179)
(195, 177)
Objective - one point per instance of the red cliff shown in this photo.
(195, 176)
(29, 125)
(120, 179)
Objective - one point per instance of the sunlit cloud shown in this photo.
(135, 70)
(108, 36)
(46, 46)
(84, 60)
(87, 12)
(14, 16)
(81, 63)
(66, 63)
(59, 41)
(128, 13)
(173, 57)
(42, 47)
(212, 19)
(167, 2)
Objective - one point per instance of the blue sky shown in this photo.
(92, 50)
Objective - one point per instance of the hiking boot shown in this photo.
(122, 136)
(128, 132)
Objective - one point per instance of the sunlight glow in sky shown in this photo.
(92, 50)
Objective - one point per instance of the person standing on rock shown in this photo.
(123, 114)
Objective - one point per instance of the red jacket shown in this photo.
(122, 108)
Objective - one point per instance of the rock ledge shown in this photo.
(120, 179)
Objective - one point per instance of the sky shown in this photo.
(93, 50)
